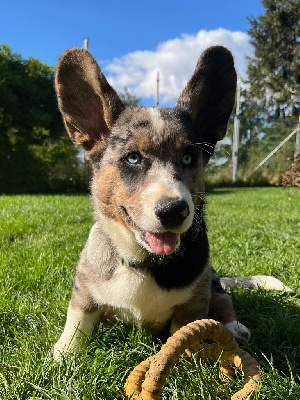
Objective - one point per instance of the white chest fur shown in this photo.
(135, 296)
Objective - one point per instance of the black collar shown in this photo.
(150, 261)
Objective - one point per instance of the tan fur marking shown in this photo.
(221, 308)
(110, 191)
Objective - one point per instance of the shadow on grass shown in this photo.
(220, 191)
(274, 321)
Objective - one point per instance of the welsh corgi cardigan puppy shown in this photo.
(147, 256)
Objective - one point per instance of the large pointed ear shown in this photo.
(210, 94)
(89, 105)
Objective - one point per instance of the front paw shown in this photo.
(238, 330)
(65, 345)
(59, 349)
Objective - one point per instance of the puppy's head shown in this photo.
(148, 162)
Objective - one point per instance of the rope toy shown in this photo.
(154, 370)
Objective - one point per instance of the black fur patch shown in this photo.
(215, 283)
(133, 175)
(187, 263)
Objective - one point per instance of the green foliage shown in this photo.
(129, 98)
(254, 147)
(257, 148)
(270, 99)
(292, 174)
(251, 231)
(31, 130)
(274, 71)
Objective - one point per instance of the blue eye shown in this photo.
(133, 158)
(187, 159)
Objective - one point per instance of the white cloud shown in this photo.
(175, 60)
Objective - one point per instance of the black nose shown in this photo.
(171, 211)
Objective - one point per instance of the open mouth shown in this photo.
(162, 243)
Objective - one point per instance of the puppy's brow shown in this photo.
(119, 140)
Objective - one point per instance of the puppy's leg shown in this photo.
(78, 323)
(251, 282)
(221, 309)
(83, 314)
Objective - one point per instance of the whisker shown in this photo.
(205, 146)
(205, 143)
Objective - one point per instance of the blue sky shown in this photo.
(131, 40)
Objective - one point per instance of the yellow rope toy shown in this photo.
(154, 370)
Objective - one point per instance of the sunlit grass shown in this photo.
(252, 231)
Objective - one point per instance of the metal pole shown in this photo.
(86, 43)
(274, 151)
(235, 137)
(297, 143)
(157, 90)
(297, 151)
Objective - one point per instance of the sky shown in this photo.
(132, 40)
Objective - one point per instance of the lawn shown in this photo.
(252, 231)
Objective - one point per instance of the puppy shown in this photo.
(147, 256)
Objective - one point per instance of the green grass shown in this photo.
(252, 231)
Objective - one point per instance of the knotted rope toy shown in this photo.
(154, 371)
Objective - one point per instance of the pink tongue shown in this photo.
(162, 243)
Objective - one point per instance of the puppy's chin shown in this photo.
(134, 244)
(124, 239)
(153, 237)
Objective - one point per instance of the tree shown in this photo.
(34, 149)
(129, 98)
(270, 105)
(274, 71)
